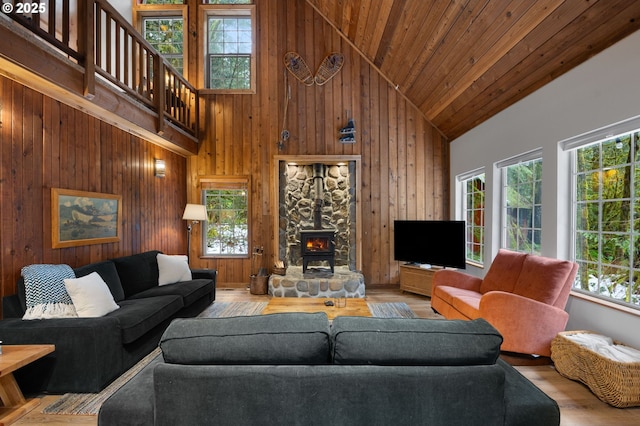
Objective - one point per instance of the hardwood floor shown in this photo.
(578, 406)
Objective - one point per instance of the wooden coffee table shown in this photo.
(355, 306)
(12, 358)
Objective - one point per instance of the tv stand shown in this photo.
(416, 279)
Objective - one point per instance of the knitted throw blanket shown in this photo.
(46, 294)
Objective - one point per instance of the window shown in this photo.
(522, 203)
(227, 228)
(229, 56)
(165, 34)
(163, 24)
(606, 181)
(473, 198)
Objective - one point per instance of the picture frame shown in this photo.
(81, 218)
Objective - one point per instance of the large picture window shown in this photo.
(227, 227)
(606, 179)
(522, 204)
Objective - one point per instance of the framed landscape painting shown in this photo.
(81, 218)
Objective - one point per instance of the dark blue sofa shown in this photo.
(92, 352)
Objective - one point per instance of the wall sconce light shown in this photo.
(159, 168)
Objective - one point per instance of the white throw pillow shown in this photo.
(173, 269)
(90, 295)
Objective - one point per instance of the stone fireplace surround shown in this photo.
(298, 195)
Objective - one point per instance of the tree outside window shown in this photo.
(165, 34)
(522, 209)
(227, 228)
(229, 52)
(607, 218)
(474, 199)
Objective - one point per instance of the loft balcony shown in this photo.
(85, 54)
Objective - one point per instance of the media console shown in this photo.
(417, 280)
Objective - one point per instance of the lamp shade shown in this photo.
(195, 212)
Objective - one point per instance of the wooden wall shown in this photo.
(404, 158)
(45, 144)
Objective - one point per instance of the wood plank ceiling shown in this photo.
(463, 61)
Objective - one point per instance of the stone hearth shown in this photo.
(307, 203)
(317, 282)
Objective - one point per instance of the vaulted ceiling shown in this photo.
(462, 61)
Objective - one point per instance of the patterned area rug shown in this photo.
(90, 403)
(233, 309)
(391, 310)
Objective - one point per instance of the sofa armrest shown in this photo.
(209, 274)
(11, 307)
(453, 278)
(87, 354)
(528, 326)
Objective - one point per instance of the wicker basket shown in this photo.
(279, 271)
(616, 383)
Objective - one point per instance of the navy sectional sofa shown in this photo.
(297, 369)
(92, 352)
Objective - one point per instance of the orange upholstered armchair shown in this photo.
(522, 295)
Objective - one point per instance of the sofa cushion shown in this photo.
(543, 278)
(503, 272)
(139, 316)
(107, 270)
(137, 272)
(172, 269)
(190, 291)
(468, 304)
(400, 341)
(91, 296)
(285, 339)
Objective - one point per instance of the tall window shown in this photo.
(522, 204)
(229, 48)
(227, 229)
(473, 198)
(163, 23)
(606, 177)
(165, 34)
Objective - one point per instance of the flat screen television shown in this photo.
(430, 242)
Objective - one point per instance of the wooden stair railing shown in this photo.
(94, 35)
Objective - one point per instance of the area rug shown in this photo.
(233, 309)
(391, 310)
(90, 403)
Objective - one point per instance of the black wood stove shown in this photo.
(318, 244)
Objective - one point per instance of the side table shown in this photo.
(12, 358)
